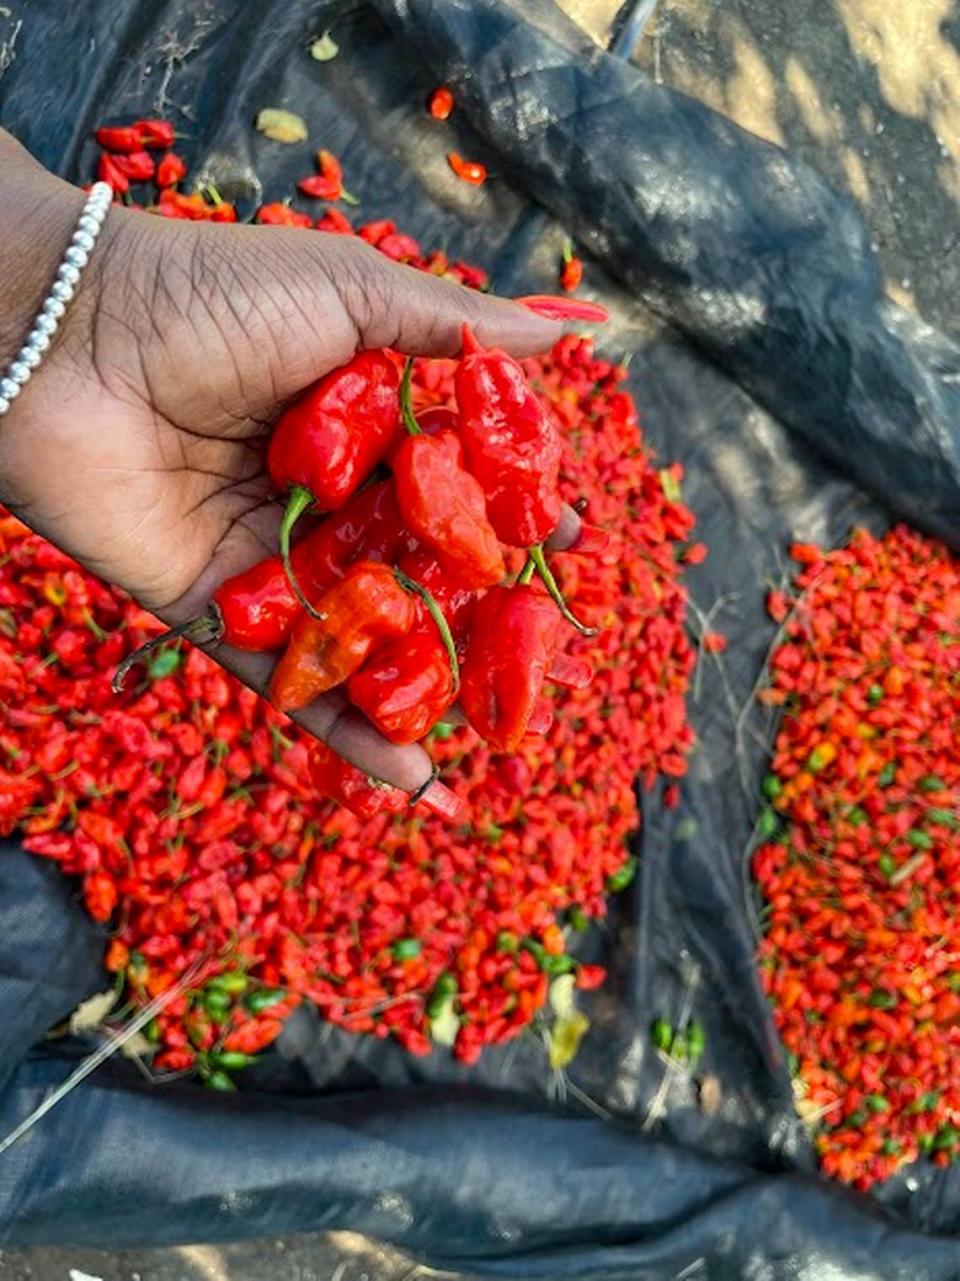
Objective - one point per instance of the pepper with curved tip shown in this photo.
(326, 444)
(364, 610)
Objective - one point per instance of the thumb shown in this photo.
(418, 313)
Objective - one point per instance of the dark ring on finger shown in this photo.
(420, 793)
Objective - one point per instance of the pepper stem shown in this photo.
(348, 197)
(436, 613)
(298, 502)
(191, 630)
(568, 250)
(406, 407)
(539, 560)
(527, 572)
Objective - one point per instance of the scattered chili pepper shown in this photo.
(155, 134)
(471, 171)
(138, 166)
(441, 103)
(109, 171)
(281, 215)
(121, 139)
(171, 170)
(861, 849)
(328, 183)
(571, 273)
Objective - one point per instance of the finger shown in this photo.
(420, 314)
(566, 532)
(332, 720)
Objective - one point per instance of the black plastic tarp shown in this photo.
(766, 359)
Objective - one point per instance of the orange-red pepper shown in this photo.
(365, 609)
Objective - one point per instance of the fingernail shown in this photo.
(541, 719)
(555, 307)
(572, 673)
(590, 541)
(440, 800)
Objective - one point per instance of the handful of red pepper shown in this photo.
(403, 585)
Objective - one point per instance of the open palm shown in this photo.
(139, 445)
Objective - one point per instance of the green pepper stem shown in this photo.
(539, 560)
(527, 572)
(348, 197)
(298, 502)
(567, 250)
(406, 408)
(436, 613)
(193, 630)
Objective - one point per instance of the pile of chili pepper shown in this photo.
(860, 861)
(185, 805)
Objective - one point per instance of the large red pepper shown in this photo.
(365, 609)
(513, 650)
(442, 504)
(324, 446)
(457, 603)
(256, 609)
(513, 448)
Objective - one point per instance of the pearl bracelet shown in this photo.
(76, 257)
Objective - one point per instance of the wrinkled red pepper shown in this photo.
(170, 170)
(327, 443)
(366, 608)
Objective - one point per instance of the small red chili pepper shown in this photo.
(441, 103)
(442, 504)
(123, 139)
(328, 183)
(571, 274)
(109, 171)
(324, 446)
(157, 135)
(170, 170)
(471, 171)
(281, 215)
(138, 166)
(336, 222)
(365, 609)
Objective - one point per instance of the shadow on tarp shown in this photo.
(800, 401)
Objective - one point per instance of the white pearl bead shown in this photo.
(101, 191)
(76, 256)
(29, 356)
(46, 324)
(89, 224)
(61, 290)
(38, 340)
(9, 390)
(55, 308)
(68, 272)
(83, 240)
(19, 372)
(4, 406)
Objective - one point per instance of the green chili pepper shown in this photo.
(772, 787)
(875, 693)
(217, 1004)
(696, 1040)
(264, 999)
(164, 663)
(679, 1049)
(925, 1142)
(946, 1137)
(407, 949)
(769, 823)
(661, 1034)
(622, 878)
(232, 1060)
(507, 942)
(946, 818)
(881, 999)
(152, 1031)
(557, 964)
(230, 981)
(890, 1147)
(877, 1103)
(579, 920)
(857, 816)
(919, 840)
(930, 783)
(442, 731)
(887, 775)
(443, 992)
(536, 950)
(219, 1081)
(887, 865)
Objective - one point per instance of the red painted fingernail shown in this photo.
(553, 307)
(439, 798)
(572, 673)
(591, 541)
(541, 719)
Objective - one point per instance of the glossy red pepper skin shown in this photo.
(155, 134)
(441, 103)
(110, 172)
(457, 602)
(120, 139)
(444, 507)
(516, 633)
(365, 609)
(171, 169)
(328, 183)
(406, 686)
(342, 782)
(281, 215)
(138, 166)
(510, 444)
(333, 437)
(471, 171)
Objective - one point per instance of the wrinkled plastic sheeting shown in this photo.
(780, 375)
